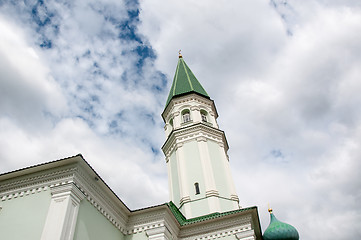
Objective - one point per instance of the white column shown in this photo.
(167, 129)
(182, 175)
(210, 184)
(62, 214)
(176, 120)
(196, 115)
(170, 178)
(232, 189)
(213, 120)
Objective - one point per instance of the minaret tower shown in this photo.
(199, 175)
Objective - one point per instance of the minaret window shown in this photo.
(186, 116)
(196, 186)
(204, 116)
(171, 122)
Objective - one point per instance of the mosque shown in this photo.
(66, 199)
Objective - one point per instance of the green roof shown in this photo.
(278, 230)
(183, 221)
(184, 82)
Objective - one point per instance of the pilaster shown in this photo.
(210, 184)
(183, 187)
(63, 211)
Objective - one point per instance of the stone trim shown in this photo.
(196, 132)
(159, 233)
(246, 235)
(22, 193)
(234, 223)
(220, 234)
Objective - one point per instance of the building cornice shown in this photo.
(198, 131)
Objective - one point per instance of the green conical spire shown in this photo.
(184, 82)
(278, 230)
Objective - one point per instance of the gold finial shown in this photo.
(180, 54)
(269, 209)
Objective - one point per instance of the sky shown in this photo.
(92, 77)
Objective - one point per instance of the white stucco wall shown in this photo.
(23, 217)
(92, 225)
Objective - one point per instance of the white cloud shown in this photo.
(25, 81)
(293, 119)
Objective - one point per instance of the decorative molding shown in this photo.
(201, 139)
(212, 193)
(159, 233)
(113, 212)
(235, 198)
(196, 108)
(39, 179)
(246, 235)
(193, 132)
(216, 232)
(184, 200)
(24, 192)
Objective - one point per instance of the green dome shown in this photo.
(278, 230)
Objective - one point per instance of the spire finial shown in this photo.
(180, 54)
(269, 209)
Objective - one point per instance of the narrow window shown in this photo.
(196, 186)
(186, 116)
(204, 116)
(171, 122)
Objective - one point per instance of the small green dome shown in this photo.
(278, 230)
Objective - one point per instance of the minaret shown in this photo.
(199, 175)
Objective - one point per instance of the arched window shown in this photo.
(171, 122)
(186, 115)
(196, 186)
(204, 116)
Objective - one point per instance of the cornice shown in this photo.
(198, 131)
(40, 179)
(114, 211)
(217, 227)
(237, 231)
(153, 218)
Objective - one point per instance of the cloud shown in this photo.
(290, 71)
(25, 81)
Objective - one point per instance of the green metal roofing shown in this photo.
(278, 230)
(183, 221)
(184, 82)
